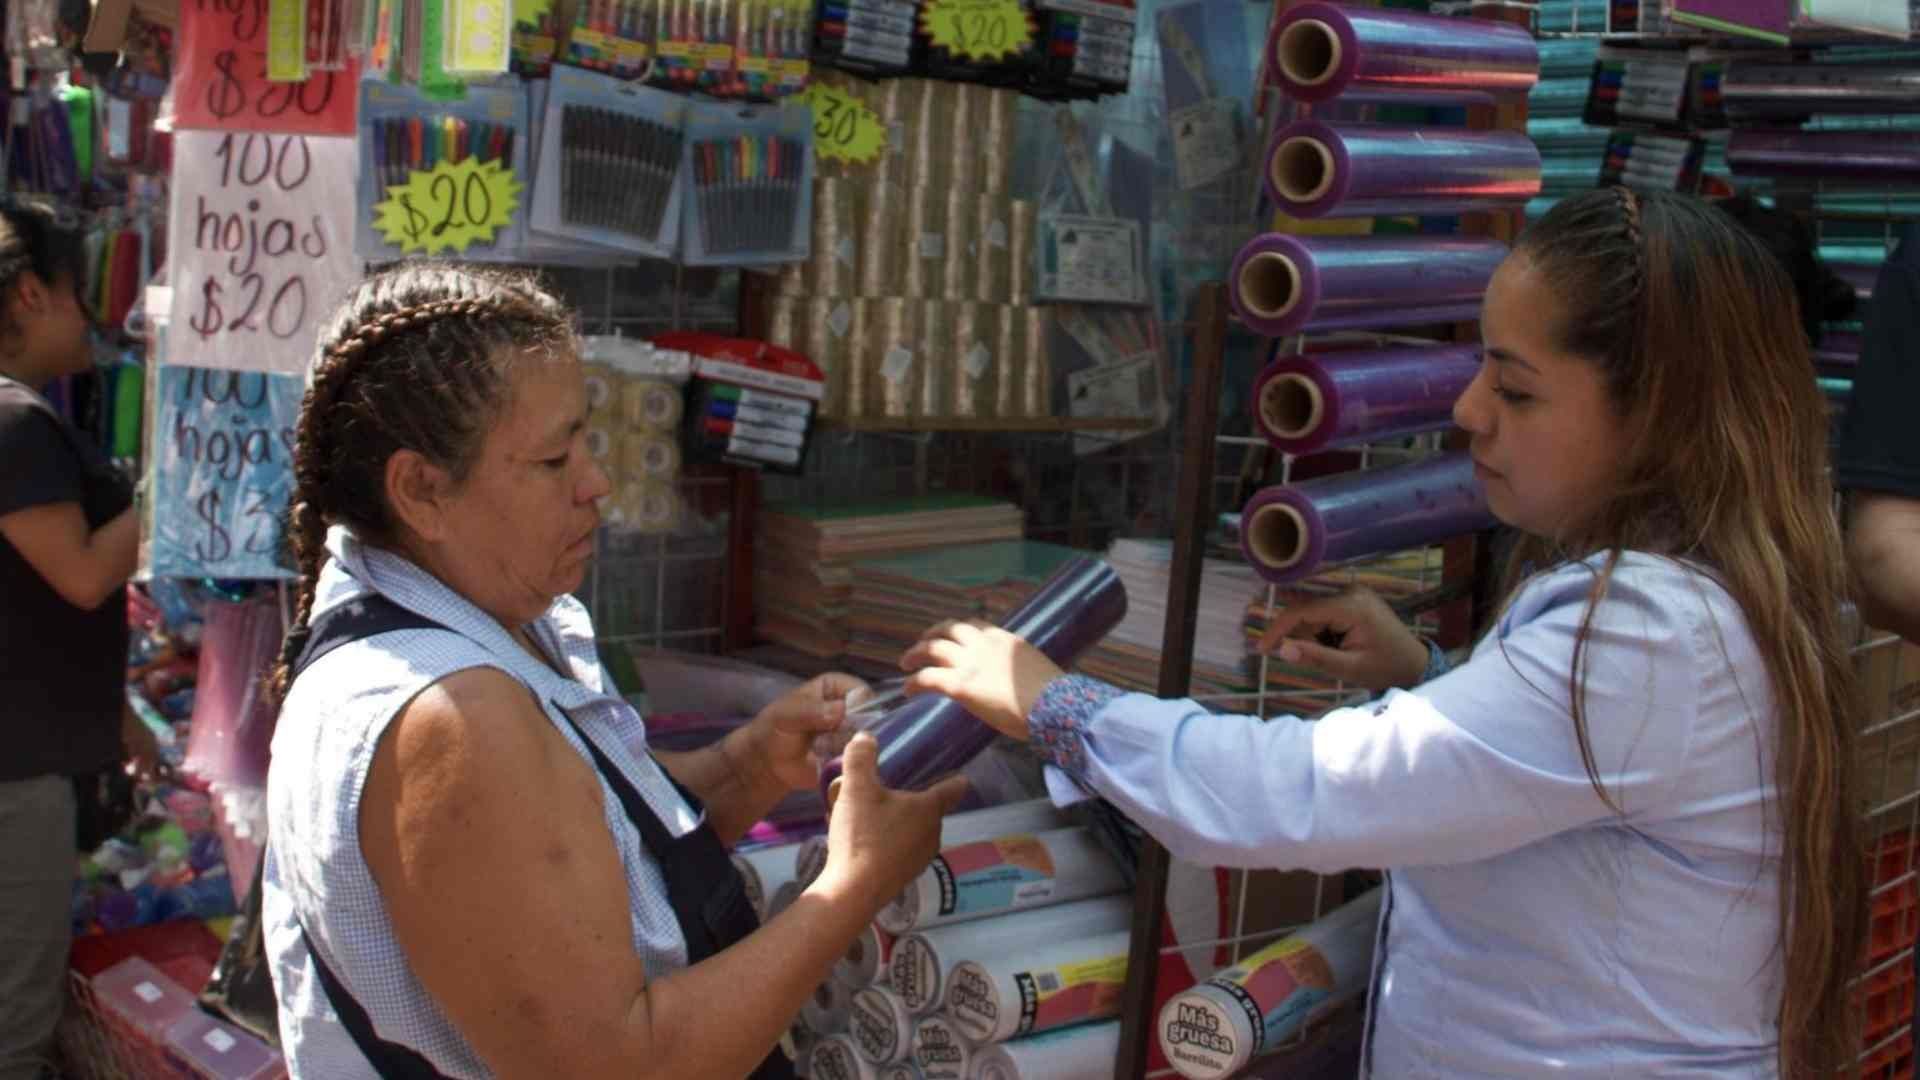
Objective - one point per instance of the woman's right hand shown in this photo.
(878, 839)
(1353, 636)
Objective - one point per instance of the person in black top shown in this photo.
(1878, 463)
(67, 546)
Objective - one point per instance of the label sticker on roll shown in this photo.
(895, 364)
(840, 318)
(911, 969)
(872, 1026)
(1071, 993)
(976, 360)
(994, 875)
(1206, 142)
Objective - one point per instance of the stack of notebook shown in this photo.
(802, 565)
(896, 599)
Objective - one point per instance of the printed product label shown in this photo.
(895, 363)
(840, 319)
(147, 992)
(1279, 986)
(1206, 145)
(1071, 993)
(937, 1054)
(1090, 260)
(1196, 1035)
(977, 360)
(994, 875)
(911, 969)
(873, 1029)
(833, 1061)
(218, 1040)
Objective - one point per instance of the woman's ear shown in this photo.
(29, 295)
(417, 491)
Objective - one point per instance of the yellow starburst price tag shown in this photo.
(844, 127)
(530, 12)
(984, 30)
(449, 207)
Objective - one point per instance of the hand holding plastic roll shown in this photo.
(1281, 285)
(931, 735)
(1321, 51)
(1289, 532)
(1307, 403)
(1319, 170)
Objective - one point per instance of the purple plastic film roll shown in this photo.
(1864, 155)
(1321, 51)
(1306, 403)
(1838, 348)
(1290, 532)
(1859, 275)
(1284, 284)
(931, 735)
(1319, 170)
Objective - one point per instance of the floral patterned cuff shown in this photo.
(1060, 717)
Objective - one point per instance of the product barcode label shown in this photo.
(1048, 982)
(147, 992)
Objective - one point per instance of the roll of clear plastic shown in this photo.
(881, 1026)
(650, 404)
(1084, 1052)
(765, 870)
(834, 1058)
(906, 1070)
(940, 1050)
(1211, 1031)
(827, 1010)
(922, 961)
(1071, 981)
(865, 961)
(1008, 873)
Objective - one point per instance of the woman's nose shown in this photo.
(1472, 411)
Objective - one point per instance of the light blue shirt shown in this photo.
(323, 746)
(1529, 930)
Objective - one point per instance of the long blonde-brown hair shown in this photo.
(1695, 328)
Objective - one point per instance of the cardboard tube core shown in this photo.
(1291, 405)
(1302, 169)
(1309, 51)
(1277, 535)
(1269, 285)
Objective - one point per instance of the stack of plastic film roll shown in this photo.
(827, 339)
(1021, 216)
(881, 1026)
(887, 339)
(881, 238)
(960, 274)
(936, 364)
(908, 109)
(924, 274)
(1009, 354)
(1214, 1029)
(1083, 1052)
(975, 368)
(993, 253)
(1035, 399)
(996, 120)
(1004, 874)
(940, 1050)
(833, 262)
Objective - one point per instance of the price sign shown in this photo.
(255, 259)
(221, 81)
(222, 457)
(448, 208)
(844, 127)
(984, 30)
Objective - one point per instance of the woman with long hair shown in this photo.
(1621, 837)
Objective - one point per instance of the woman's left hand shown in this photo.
(995, 675)
(779, 742)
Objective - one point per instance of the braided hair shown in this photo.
(418, 358)
(36, 235)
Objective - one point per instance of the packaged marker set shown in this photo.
(404, 134)
(610, 164)
(751, 200)
(748, 403)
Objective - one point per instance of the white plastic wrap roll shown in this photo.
(1012, 994)
(783, 898)
(983, 878)
(881, 1026)
(1214, 1029)
(940, 1050)
(1085, 1052)
(764, 870)
(799, 1043)
(865, 962)
(827, 1010)
(906, 1070)
(833, 1058)
(921, 961)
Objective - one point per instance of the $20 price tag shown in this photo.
(448, 208)
(984, 30)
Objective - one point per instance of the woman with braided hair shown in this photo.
(469, 873)
(68, 535)
(1621, 836)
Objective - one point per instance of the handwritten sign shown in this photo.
(222, 79)
(844, 127)
(984, 30)
(222, 459)
(449, 207)
(258, 257)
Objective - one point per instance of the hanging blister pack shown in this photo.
(614, 37)
(1086, 48)
(477, 37)
(610, 157)
(443, 177)
(751, 169)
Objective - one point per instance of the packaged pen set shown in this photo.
(752, 174)
(478, 215)
(1052, 49)
(632, 167)
(748, 402)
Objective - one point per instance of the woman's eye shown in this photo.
(1512, 397)
(556, 462)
